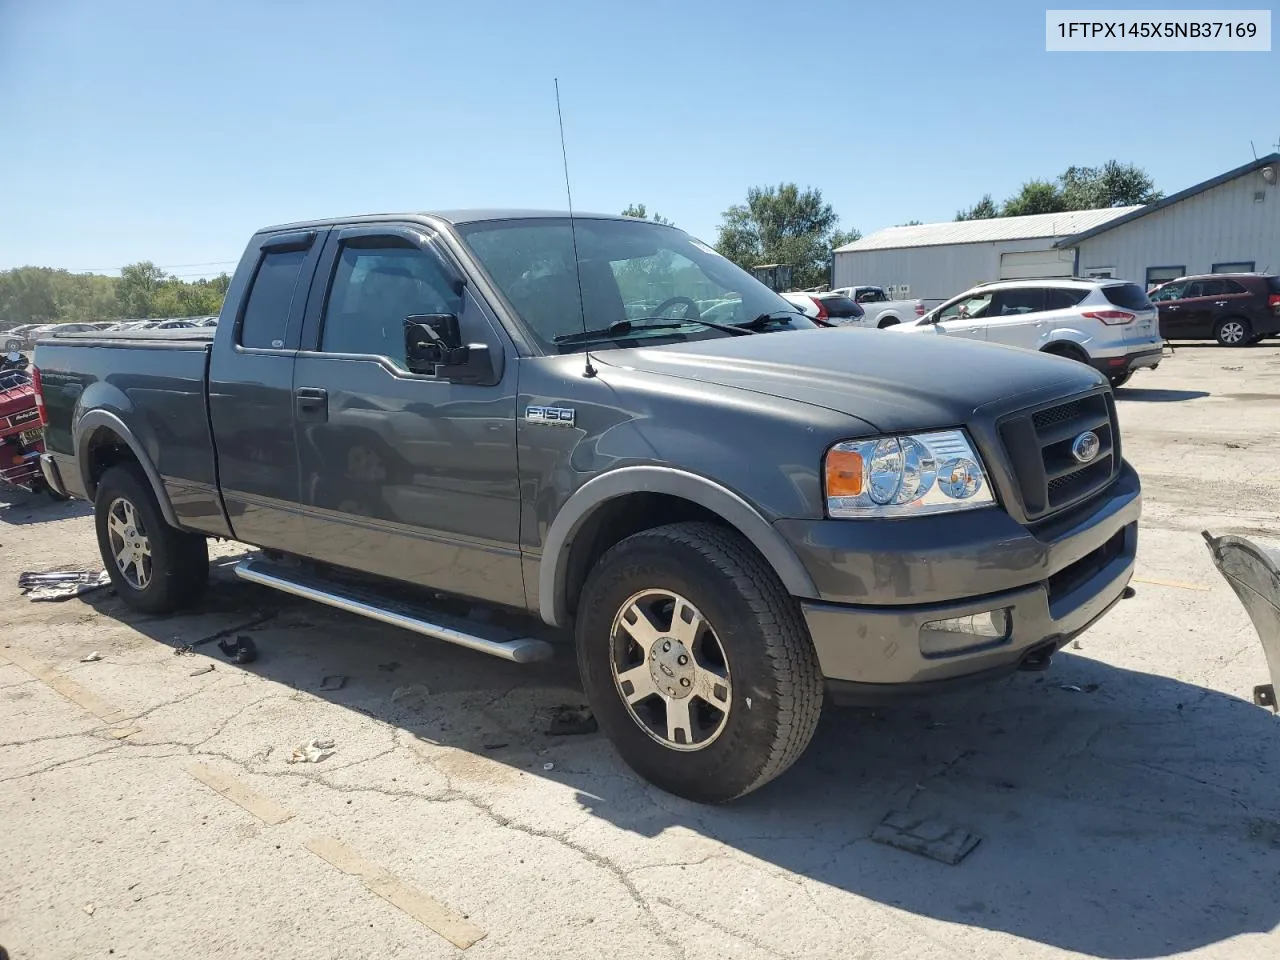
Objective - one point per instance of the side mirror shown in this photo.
(432, 345)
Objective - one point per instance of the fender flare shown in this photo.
(554, 565)
(85, 428)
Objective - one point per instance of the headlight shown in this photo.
(905, 476)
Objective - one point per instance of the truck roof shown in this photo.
(450, 216)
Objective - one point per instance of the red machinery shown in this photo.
(21, 428)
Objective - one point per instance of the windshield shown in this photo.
(629, 271)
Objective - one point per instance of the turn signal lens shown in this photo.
(844, 473)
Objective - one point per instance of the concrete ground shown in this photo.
(1128, 800)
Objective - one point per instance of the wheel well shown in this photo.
(1064, 348)
(617, 519)
(105, 449)
(888, 322)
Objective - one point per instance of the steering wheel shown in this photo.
(662, 308)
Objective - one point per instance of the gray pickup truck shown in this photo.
(733, 519)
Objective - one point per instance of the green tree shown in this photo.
(984, 209)
(139, 292)
(1114, 184)
(784, 224)
(910, 223)
(638, 210)
(1036, 196)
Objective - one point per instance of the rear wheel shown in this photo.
(1068, 350)
(154, 568)
(1120, 379)
(1233, 332)
(887, 322)
(697, 662)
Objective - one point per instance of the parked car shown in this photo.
(1236, 309)
(827, 309)
(177, 324)
(732, 520)
(1108, 324)
(881, 311)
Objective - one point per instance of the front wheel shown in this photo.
(696, 661)
(1233, 332)
(153, 567)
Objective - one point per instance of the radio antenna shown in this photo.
(590, 371)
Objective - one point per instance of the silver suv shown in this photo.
(1108, 324)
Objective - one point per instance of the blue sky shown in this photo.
(170, 130)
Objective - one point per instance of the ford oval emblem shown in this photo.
(1086, 446)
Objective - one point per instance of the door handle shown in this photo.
(1171, 308)
(1220, 303)
(312, 403)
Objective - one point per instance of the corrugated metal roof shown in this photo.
(986, 231)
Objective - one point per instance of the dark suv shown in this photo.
(1236, 309)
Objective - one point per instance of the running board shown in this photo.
(385, 610)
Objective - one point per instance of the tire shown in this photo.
(1068, 351)
(174, 569)
(1233, 332)
(1120, 379)
(887, 322)
(753, 654)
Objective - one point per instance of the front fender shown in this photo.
(741, 515)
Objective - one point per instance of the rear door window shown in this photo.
(1061, 298)
(266, 312)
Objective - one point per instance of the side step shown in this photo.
(495, 642)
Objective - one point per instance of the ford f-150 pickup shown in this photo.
(734, 519)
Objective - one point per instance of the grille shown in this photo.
(1039, 445)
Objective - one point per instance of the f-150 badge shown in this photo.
(554, 416)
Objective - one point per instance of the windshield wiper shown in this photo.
(764, 318)
(622, 327)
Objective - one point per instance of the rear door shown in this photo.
(251, 388)
(403, 474)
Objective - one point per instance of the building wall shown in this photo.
(933, 273)
(1219, 225)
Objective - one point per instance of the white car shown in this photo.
(1108, 324)
(829, 309)
(881, 311)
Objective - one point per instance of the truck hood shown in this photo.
(892, 383)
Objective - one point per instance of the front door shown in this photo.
(402, 474)
(1174, 317)
(1016, 317)
(965, 317)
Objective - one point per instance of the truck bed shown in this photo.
(156, 381)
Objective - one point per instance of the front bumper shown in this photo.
(1053, 583)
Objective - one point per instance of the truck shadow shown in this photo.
(1122, 814)
(1158, 396)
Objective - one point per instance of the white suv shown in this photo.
(1108, 324)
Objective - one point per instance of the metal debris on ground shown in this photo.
(311, 752)
(186, 650)
(89, 908)
(929, 838)
(548, 766)
(55, 585)
(1070, 686)
(243, 650)
(571, 720)
(335, 681)
(201, 671)
(91, 658)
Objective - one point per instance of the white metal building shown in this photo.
(1230, 224)
(933, 261)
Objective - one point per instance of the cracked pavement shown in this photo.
(1135, 817)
